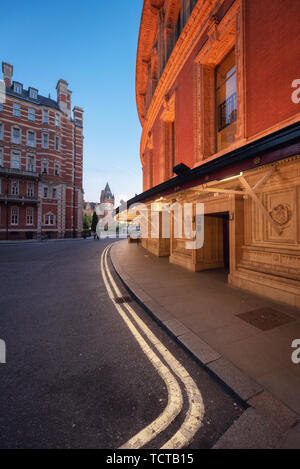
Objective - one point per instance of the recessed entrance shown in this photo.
(219, 238)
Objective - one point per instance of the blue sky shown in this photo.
(92, 44)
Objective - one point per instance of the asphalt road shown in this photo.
(75, 375)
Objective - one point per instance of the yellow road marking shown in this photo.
(195, 413)
(175, 400)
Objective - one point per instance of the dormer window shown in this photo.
(18, 87)
(33, 93)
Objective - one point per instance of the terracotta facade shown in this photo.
(41, 162)
(251, 197)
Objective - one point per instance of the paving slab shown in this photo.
(250, 431)
(238, 381)
(200, 349)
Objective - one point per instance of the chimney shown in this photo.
(64, 97)
(78, 116)
(7, 70)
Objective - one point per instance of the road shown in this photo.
(82, 371)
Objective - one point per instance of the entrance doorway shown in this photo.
(222, 240)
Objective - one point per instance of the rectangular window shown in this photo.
(15, 160)
(1, 106)
(49, 219)
(45, 141)
(31, 114)
(226, 94)
(31, 139)
(54, 193)
(29, 216)
(18, 88)
(15, 187)
(33, 94)
(57, 143)
(17, 110)
(57, 120)
(16, 135)
(30, 164)
(1, 131)
(45, 117)
(15, 216)
(30, 189)
(46, 192)
(1, 156)
(56, 169)
(45, 167)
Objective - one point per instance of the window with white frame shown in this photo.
(45, 141)
(31, 138)
(1, 130)
(14, 216)
(56, 169)
(57, 143)
(1, 156)
(33, 94)
(45, 116)
(30, 189)
(18, 88)
(54, 193)
(16, 160)
(49, 219)
(57, 120)
(16, 135)
(14, 187)
(31, 114)
(45, 167)
(17, 110)
(29, 216)
(46, 192)
(1, 106)
(30, 163)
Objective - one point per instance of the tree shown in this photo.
(94, 221)
(87, 221)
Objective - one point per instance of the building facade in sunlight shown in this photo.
(218, 97)
(41, 154)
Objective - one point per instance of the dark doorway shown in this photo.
(226, 244)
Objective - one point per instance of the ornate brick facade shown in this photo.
(214, 92)
(41, 156)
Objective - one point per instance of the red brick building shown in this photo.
(218, 97)
(41, 155)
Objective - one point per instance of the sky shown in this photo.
(91, 44)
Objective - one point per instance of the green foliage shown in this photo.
(87, 221)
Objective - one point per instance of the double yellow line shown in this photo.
(195, 412)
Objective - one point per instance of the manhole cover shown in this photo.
(122, 299)
(265, 318)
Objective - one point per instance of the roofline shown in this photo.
(274, 141)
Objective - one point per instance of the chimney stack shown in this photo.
(7, 71)
(64, 97)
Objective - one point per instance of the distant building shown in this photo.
(108, 198)
(41, 153)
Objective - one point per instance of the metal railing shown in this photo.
(227, 112)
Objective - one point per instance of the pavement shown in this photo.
(207, 317)
(75, 375)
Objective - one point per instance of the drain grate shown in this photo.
(265, 319)
(123, 299)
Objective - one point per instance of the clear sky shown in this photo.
(91, 44)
